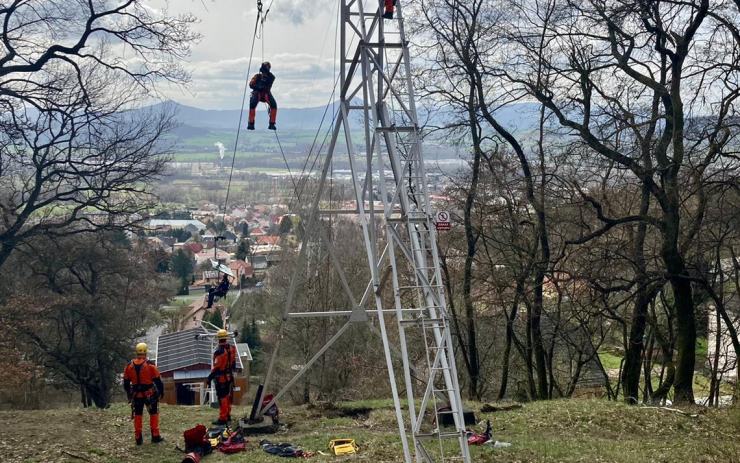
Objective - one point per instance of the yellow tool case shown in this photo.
(343, 447)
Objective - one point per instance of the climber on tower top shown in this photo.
(389, 7)
(261, 84)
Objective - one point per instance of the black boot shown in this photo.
(272, 126)
(388, 15)
(250, 126)
(139, 440)
(219, 422)
(157, 439)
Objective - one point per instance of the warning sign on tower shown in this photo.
(442, 220)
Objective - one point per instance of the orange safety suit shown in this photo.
(224, 363)
(143, 388)
(389, 8)
(261, 85)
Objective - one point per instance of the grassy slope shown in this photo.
(557, 431)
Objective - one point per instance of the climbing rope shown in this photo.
(329, 129)
(261, 19)
(259, 34)
(290, 174)
(244, 100)
(298, 188)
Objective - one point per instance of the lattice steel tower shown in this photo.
(405, 292)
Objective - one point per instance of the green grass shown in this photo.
(554, 431)
(188, 299)
(701, 350)
(702, 385)
(610, 361)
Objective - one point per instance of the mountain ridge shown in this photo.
(517, 116)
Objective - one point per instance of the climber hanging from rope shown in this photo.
(220, 291)
(261, 85)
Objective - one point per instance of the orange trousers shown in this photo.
(153, 409)
(265, 97)
(225, 396)
(224, 408)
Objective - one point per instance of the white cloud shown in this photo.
(301, 80)
(298, 41)
(299, 11)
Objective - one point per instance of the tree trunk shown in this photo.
(471, 238)
(5, 249)
(660, 394)
(633, 356)
(96, 395)
(528, 358)
(537, 343)
(683, 386)
(714, 384)
(668, 370)
(306, 390)
(474, 369)
(507, 354)
(633, 352)
(648, 368)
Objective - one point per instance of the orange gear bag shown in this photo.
(254, 81)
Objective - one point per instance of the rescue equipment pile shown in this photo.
(200, 441)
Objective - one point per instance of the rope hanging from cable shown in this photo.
(259, 20)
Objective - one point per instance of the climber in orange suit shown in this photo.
(261, 85)
(143, 388)
(224, 363)
(389, 8)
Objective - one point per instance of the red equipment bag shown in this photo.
(195, 438)
(192, 457)
(234, 444)
(273, 411)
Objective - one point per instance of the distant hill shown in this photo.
(227, 119)
(519, 116)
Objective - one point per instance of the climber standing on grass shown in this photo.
(222, 373)
(143, 388)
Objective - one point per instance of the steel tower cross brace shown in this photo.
(377, 96)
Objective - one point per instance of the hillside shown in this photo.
(556, 431)
(514, 116)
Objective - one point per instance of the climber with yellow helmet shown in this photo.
(143, 388)
(224, 363)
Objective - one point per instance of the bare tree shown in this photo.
(93, 294)
(649, 69)
(464, 38)
(75, 153)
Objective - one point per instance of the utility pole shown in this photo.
(399, 236)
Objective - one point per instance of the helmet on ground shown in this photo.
(222, 335)
(141, 348)
(266, 66)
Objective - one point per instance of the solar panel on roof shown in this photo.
(182, 349)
